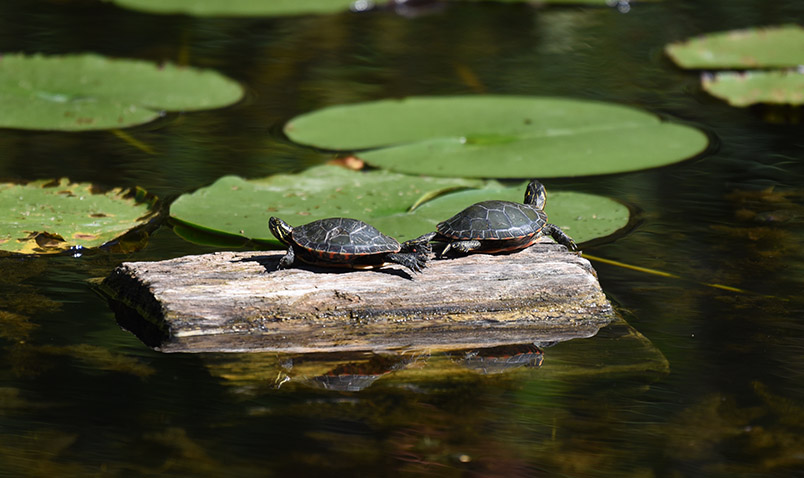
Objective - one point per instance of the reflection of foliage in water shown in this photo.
(29, 361)
(769, 217)
(17, 307)
(763, 436)
(438, 416)
(19, 301)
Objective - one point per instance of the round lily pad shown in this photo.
(498, 136)
(600, 3)
(44, 217)
(399, 205)
(781, 46)
(234, 206)
(236, 8)
(86, 92)
(252, 8)
(744, 89)
(583, 216)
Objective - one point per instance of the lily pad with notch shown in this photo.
(234, 209)
(769, 59)
(493, 136)
(237, 8)
(255, 8)
(52, 216)
(90, 92)
(769, 47)
(744, 89)
(240, 208)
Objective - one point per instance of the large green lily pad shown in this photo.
(582, 216)
(744, 89)
(601, 3)
(44, 217)
(234, 206)
(751, 48)
(236, 8)
(498, 136)
(86, 92)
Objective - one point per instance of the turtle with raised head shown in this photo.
(499, 226)
(346, 243)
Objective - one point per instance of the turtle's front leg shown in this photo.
(415, 261)
(559, 236)
(461, 246)
(287, 260)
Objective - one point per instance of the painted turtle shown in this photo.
(497, 226)
(349, 243)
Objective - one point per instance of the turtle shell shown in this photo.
(494, 221)
(341, 236)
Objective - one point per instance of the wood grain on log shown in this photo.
(238, 301)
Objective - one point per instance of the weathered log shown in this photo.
(239, 301)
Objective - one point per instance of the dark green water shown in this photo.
(81, 397)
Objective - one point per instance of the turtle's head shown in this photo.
(535, 195)
(280, 229)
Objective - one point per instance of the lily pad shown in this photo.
(253, 8)
(498, 136)
(582, 216)
(601, 3)
(236, 8)
(86, 92)
(744, 89)
(781, 46)
(44, 217)
(237, 207)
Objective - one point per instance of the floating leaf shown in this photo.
(238, 207)
(45, 217)
(751, 48)
(601, 3)
(582, 216)
(743, 89)
(234, 207)
(499, 136)
(85, 92)
(235, 8)
(253, 8)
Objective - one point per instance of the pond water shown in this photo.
(707, 382)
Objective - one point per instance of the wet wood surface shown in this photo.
(239, 301)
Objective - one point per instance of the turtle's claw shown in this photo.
(415, 261)
(287, 260)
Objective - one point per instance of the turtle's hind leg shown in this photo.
(559, 236)
(461, 246)
(415, 261)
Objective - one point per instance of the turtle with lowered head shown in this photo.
(347, 243)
